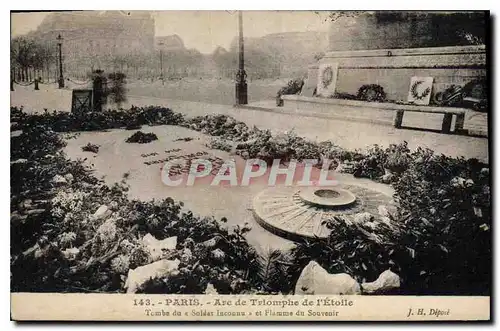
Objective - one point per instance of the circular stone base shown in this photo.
(300, 213)
(327, 197)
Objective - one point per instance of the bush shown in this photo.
(445, 204)
(362, 249)
(99, 121)
(293, 87)
(117, 91)
(222, 126)
(141, 138)
(91, 148)
(438, 241)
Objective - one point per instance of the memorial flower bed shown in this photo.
(70, 232)
(442, 241)
(97, 121)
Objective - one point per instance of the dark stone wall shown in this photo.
(383, 30)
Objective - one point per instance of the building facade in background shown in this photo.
(93, 39)
(100, 32)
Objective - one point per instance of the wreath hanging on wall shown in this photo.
(414, 90)
(327, 77)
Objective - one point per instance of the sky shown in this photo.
(205, 30)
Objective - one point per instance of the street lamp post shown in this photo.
(161, 62)
(12, 77)
(241, 84)
(61, 78)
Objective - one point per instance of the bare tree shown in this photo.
(29, 58)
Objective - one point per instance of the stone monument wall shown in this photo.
(393, 68)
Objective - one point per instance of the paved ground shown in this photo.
(213, 91)
(348, 134)
(48, 97)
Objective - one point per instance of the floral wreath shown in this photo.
(414, 90)
(327, 77)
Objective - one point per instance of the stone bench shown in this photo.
(447, 119)
(398, 109)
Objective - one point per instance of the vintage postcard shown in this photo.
(250, 166)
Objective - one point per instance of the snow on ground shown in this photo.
(48, 97)
(208, 90)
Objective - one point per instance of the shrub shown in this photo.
(91, 148)
(293, 87)
(141, 138)
(360, 249)
(439, 241)
(99, 121)
(445, 204)
(117, 90)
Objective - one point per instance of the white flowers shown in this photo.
(71, 253)
(127, 246)
(218, 254)
(66, 239)
(362, 218)
(120, 264)
(113, 205)
(157, 247)
(68, 217)
(69, 178)
(104, 238)
(107, 231)
(484, 227)
(57, 212)
(459, 182)
(186, 256)
(59, 180)
(68, 201)
(469, 183)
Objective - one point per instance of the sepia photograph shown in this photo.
(250, 165)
